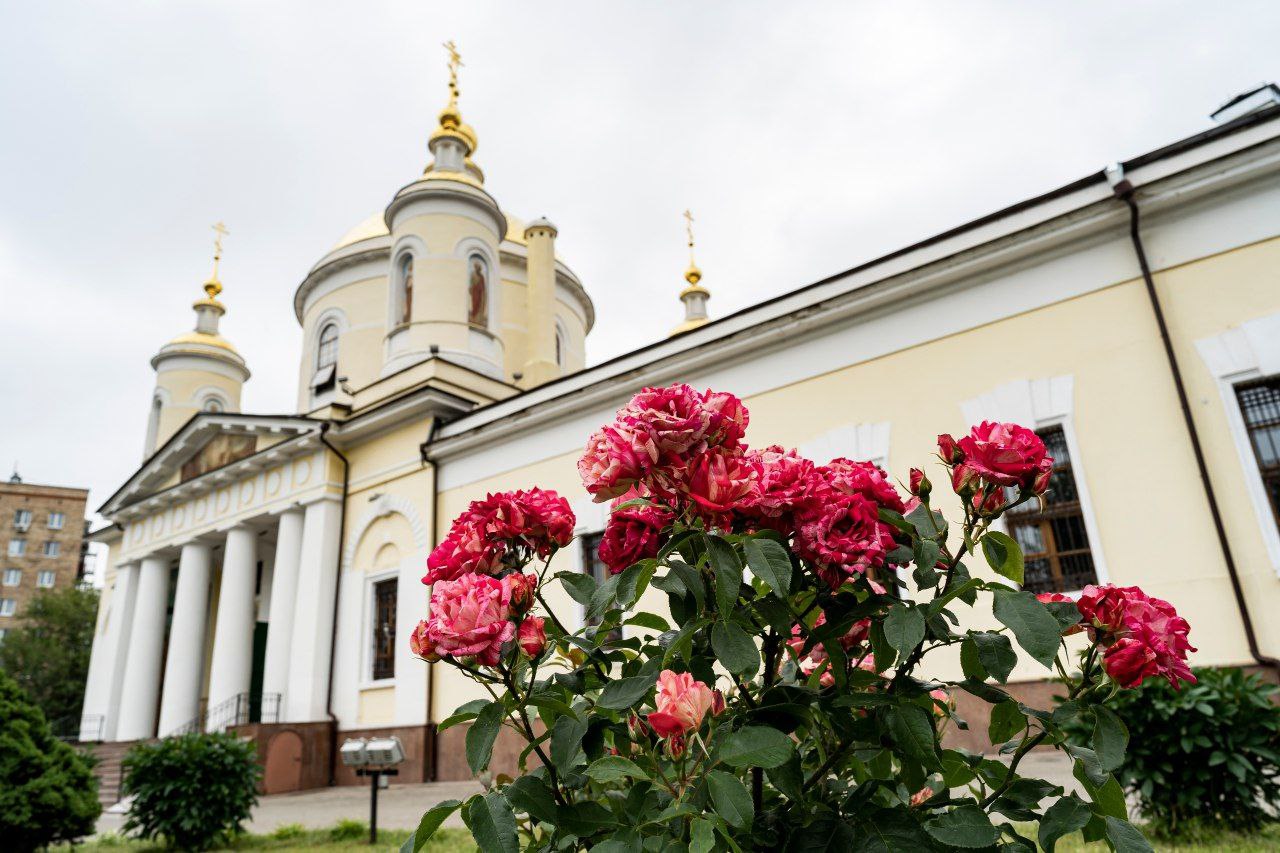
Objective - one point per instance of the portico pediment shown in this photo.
(212, 449)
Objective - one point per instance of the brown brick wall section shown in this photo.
(40, 501)
(316, 741)
(452, 764)
(417, 741)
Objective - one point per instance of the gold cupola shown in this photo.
(453, 142)
(694, 296)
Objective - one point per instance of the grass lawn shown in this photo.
(352, 836)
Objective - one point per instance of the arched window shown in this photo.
(211, 404)
(326, 360)
(404, 289)
(478, 291)
(561, 344)
(153, 424)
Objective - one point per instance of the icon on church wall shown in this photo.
(406, 289)
(219, 451)
(478, 304)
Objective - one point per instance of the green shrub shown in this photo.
(47, 790)
(349, 830)
(288, 831)
(1206, 757)
(191, 792)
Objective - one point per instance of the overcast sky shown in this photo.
(806, 138)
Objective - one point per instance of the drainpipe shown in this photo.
(1124, 191)
(337, 589)
(435, 518)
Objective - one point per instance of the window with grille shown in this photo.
(1260, 407)
(594, 566)
(1055, 544)
(384, 628)
(46, 580)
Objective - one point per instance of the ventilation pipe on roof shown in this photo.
(1124, 191)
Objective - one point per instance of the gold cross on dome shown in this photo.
(455, 62)
(213, 286)
(688, 227)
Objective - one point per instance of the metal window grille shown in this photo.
(1260, 407)
(384, 628)
(1055, 544)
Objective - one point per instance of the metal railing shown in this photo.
(90, 730)
(239, 710)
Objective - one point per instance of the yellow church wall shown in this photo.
(184, 390)
(363, 305)
(378, 706)
(1153, 525)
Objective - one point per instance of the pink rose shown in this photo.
(633, 534)
(729, 418)
(862, 478)
(1007, 455)
(720, 481)
(548, 520)
(1143, 636)
(681, 704)
(676, 416)
(617, 456)
(470, 618)
(532, 636)
(784, 484)
(942, 702)
(842, 536)
(420, 645)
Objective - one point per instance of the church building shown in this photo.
(265, 567)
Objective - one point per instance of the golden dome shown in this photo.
(374, 226)
(693, 275)
(203, 339)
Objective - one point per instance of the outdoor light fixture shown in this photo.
(376, 758)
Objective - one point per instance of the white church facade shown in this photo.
(265, 569)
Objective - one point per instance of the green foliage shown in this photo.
(288, 831)
(47, 790)
(348, 829)
(47, 654)
(1203, 757)
(191, 792)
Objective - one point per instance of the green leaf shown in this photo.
(965, 826)
(692, 581)
(566, 741)
(702, 835)
(1125, 837)
(788, 777)
(996, 654)
(730, 798)
(756, 746)
(728, 575)
(429, 824)
(1006, 721)
(614, 768)
(928, 524)
(622, 693)
(1110, 738)
(651, 621)
(881, 651)
(912, 729)
(622, 841)
(735, 650)
(1064, 817)
(492, 823)
(770, 562)
(1110, 798)
(481, 735)
(465, 711)
(925, 553)
(634, 580)
(531, 795)
(1003, 555)
(970, 662)
(904, 628)
(1034, 626)
(827, 835)
(580, 586)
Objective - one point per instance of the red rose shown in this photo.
(719, 481)
(532, 636)
(465, 550)
(729, 418)
(633, 534)
(863, 478)
(521, 589)
(919, 484)
(1143, 636)
(949, 450)
(1006, 455)
(785, 481)
(676, 416)
(841, 535)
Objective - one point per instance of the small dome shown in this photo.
(374, 226)
(202, 339)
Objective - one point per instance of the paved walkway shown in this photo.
(401, 806)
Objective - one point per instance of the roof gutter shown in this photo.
(1124, 191)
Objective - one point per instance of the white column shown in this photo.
(110, 651)
(232, 666)
(184, 666)
(284, 589)
(141, 686)
(308, 691)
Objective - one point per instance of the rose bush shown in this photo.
(782, 700)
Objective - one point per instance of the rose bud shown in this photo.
(717, 703)
(522, 589)
(991, 504)
(1040, 484)
(949, 450)
(919, 484)
(675, 746)
(637, 726)
(532, 636)
(963, 478)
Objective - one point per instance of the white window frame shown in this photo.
(22, 519)
(12, 577)
(8, 606)
(1246, 353)
(861, 442)
(591, 519)
(52, 548)
(56, 520)
(48, 574)
(1039, 404)
(17, 547)
(370, 609)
